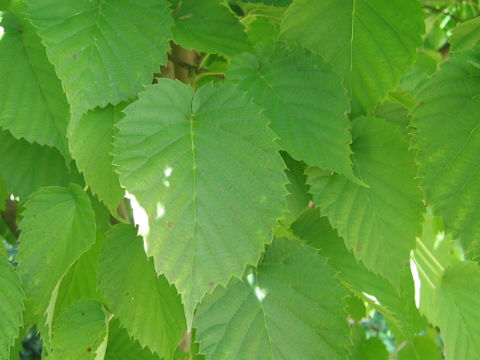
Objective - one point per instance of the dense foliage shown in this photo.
(212, 179)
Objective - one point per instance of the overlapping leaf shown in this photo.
(123, 347)
(80, 333)
(298, 197)
(398, 306)
(128, 282)
(32, 103)
(91, 145)
(104, 51)
(448, 291)
(305, 102)
(208, 26)
(424, 347)
(290, 307)
(366, 349)
(11, 306)
(448, 138)
(58, 226)
(370, 43)
(205, 170)
(379, 223)
(81, 280)
(452, 303)
(27, 167)
(271, 2)
(465, 36)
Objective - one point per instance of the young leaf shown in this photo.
(91, 140)
(32, 103)
(199, 23)
(370, 43)
(380, 223)
(58, 226)
(305, 102)
(104, 51)
(128, 282)
(27, 167)
(80, 333)
(448, 115)
(205, 170)
(290, 307)
(11, 306)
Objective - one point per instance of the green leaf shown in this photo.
(262, 25)
(465, 36)
(298, 197)
(397, 305)
(58, 226)
(370, 43)
(366, 349)
(395, 113)
(355, 307)
(453, 306)
(424, 347)
(448, 291)
(270, 2)
(198, 25)
(81, 280)
(128, 282)
(290, 307)
(448, 115)
(11, 306)
(91, 145)
(205, 170)
(4, 195)
(32, 103)
(27, 167)
(122, 347)
(4, 5)
(80, 332)
(305, 102)
(380, 223)
(104, 51)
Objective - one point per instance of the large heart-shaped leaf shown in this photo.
(207, 175)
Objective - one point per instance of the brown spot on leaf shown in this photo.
(358, 248)
(311, 204)
(211, 283)
(422, 102)
(89, 349)
(74, 56)
(170, 224)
